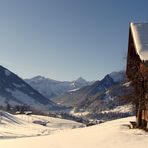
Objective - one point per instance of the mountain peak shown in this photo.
(80, 79)
(39, 77)
(117, 76)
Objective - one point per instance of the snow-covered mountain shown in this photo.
(52, 88)
(91, 91)
(106, 94)
(80, 82)
(15, 91)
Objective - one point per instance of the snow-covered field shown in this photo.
(112, 134)
(120, 109)
(22, 125)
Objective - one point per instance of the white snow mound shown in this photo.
(112, 134)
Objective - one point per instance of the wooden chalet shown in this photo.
(137, 70)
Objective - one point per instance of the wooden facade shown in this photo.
(137, 73)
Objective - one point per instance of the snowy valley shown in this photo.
(73, 74)
(89, 100)
(92, 104)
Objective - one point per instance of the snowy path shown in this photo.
(113, 134)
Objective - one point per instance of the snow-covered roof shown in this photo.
(140, 37)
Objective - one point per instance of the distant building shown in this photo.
(137, 70)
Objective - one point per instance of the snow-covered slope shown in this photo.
(14, 91)
(23, 126)
(113, 134)
(52, 88)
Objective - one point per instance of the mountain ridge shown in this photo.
(15, 91)
(101, 95)
(53, 88)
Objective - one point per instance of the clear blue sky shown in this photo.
(65, 39)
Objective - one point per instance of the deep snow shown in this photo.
(22, 125)
(112, 134)
(140, 35)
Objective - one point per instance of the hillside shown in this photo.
(16, 92)
(104, 93)
(113, 134)
(108, 94)
(17, 126)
